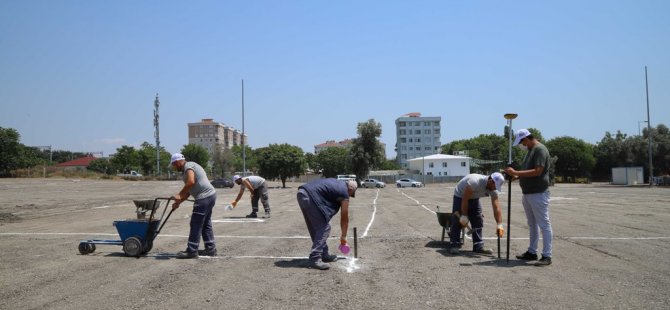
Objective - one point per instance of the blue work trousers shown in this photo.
(476, 218)
(201, 224)
(318, 226)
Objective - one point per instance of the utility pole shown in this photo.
(651, 165)
(157, 136)
(244, 149)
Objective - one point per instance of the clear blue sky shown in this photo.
(82, 75)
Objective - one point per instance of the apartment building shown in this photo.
(416, 136)
(212, 135)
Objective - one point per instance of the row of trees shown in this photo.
(575, 158)
(572, 157)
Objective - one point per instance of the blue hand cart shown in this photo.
(137, 235)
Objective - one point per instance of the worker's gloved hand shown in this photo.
(464, 220)
(500, 231)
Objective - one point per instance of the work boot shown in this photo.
(252, 215)
(483, 251)
(267, 214)
(207, 252)
(527, 256)
(187, 255)
(319, 264)
(454, 251)
(544, 261)
(329, 258)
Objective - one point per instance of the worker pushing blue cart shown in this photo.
(137, 235)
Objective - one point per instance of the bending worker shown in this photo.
(319, 201)
(466, 208)
(257, 189)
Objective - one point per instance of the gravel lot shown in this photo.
(611, 250)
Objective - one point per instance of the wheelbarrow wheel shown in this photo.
(84, 248)
(133, 246)
(147, 247)
(91, 247)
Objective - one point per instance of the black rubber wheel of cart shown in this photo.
(133, 246)
(91, 247)
(84, 248)
(148, 246)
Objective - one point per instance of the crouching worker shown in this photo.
(196, 184)
(466, 208)
(319, 201)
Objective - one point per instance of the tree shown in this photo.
(310, 160)
(196, 153)
(126, 159)
(10, 150)
(280, 161)
(147, 158)
(249, 155)
(222, 162)
(332, 161)
(575, 157)
(610, 152)
(101, 165)
(389, 164)
(366, 151)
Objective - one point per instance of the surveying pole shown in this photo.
(509, 117)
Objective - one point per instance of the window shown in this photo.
(427, 148)
(462, 164)
(430, 165)
(404, 148)
(401, 124)
(426, 123)
(427, 131)
(411, 148)
(437, 131)
(417, 123)
(402, 131)
(418, 131)
(403, 156)
(436, 124)
(410, 140)
(403, 140)
(444, 164)
(418, 139)
(437, 148)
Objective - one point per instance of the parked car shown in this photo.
(408, 183)
(221, 183)
(373, 183)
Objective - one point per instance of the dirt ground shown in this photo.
(611, 251)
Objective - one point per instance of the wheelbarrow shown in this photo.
(137, 235)
(445, 218)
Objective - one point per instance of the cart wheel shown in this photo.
(148, 246)
(84, 248)
(132, 246)
(91, 247)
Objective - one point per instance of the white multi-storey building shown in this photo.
(212, 135)
(416, 136)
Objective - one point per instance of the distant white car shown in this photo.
(369, 183)
(408, 183)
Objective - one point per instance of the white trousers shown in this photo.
(537, 214)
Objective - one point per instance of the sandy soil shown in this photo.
(611, 250)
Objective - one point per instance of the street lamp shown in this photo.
(509, 117)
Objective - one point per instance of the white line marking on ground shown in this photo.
(372, 218)
(241, 220)
(103, 207)
(561, 198)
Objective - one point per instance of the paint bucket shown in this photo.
(344, 248)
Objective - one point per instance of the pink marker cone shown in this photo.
(344, 248)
